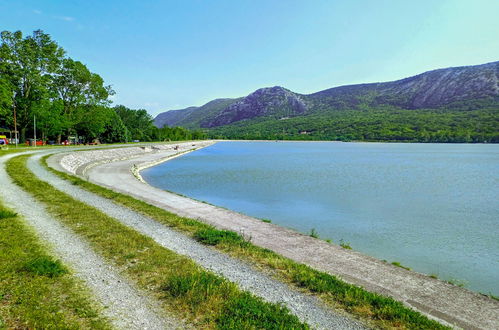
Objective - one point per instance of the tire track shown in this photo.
(123, 304)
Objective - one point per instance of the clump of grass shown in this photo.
(212, 236)
(5, 214)
(398, 264)
(456, 282)
(345, 245)
(241, 312)
(328, 241)
(45, 266)
(435, 276)
(493, 297)
(267, 220)
(241, 309)
(313, 233)
(382, 311)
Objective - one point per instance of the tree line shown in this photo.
(374, 124)
(38, 81)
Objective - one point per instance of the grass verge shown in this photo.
(36, 291)
(205, 299)
(380, 311)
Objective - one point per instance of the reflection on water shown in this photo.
(432, 207)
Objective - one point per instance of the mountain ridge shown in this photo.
(447, 87)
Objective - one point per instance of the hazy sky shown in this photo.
(161, 55)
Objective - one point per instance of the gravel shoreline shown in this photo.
(309, 309)
(124, 305)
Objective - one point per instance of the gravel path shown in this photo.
(307, 308)
(124, 305)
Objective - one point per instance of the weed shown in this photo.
(398, 264)
(45, 266)
(456, 282)
(241, 312)
(329, 241)
(214, 236)
(493, 297)
(313, 233)
(5, 214)
(435, 276)
(345, 245)
(267, 220)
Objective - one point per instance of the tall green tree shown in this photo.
(78, 89)
(29, 65)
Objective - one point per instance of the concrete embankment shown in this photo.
(437, 299)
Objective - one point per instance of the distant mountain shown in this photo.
(191, 117)
(467, 87)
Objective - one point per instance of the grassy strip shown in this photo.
(36, 291)
(205, 299)
(381, 311)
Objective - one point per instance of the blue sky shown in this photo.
(162, 55)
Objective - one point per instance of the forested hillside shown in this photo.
(38, 80)
(447, 105)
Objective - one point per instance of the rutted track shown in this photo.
(126, 306)
(307, 308)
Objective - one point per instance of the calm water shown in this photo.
(432, 207)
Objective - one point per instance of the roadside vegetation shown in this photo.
(201, 297)
(380, 311)
(36, 290)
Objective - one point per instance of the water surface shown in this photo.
(432, 207)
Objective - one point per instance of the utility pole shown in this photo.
(15, 120)
(34, 125)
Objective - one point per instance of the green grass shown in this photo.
(345, 245)
(313, 233)
(398, 264)
(45, 266)
(457, 282)
(381, 311)
(5, 214)
(37, 291)
(212, 236)
(193, 293)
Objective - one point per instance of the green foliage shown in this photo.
(244, 312)
(5, 214)
(375, 124)
(382, 308)
(38, 79)
(139, 125)
(213, 236)
(45, 266)
(345, 245)
(398, 264)
(313, 233)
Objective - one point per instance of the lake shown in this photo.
(431, 207)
